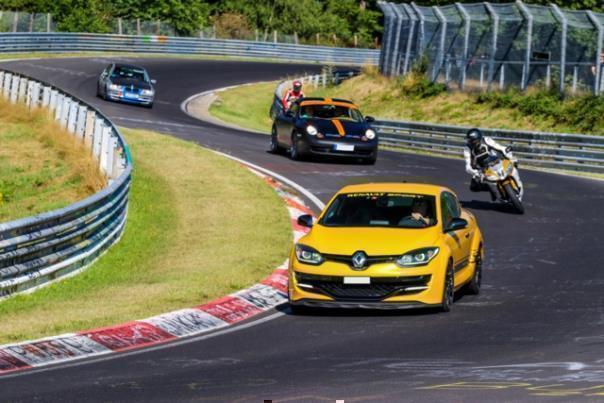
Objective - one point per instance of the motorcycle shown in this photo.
(499, 172)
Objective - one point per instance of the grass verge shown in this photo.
(199, 226)
(416, 99)
(42, 166)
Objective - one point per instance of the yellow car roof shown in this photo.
(396, 187)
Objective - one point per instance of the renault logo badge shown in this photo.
(359, 260)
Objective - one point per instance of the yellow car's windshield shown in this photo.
(381, 209)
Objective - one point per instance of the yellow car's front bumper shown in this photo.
(391, 287)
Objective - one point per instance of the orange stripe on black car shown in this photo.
(339, 127)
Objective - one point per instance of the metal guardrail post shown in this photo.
(46, 91)
(97, 139)
(65, 112)
(58, 106)
(441, 45)
(89, 129)
(410, 38)
(35, 94)
(105, 138)
(466, 42)
(528, 18)
(563, 40)
(72, 117)
(600, 38)
(494, 39)
(22, 91)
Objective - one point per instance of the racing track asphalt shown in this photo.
(538, 322)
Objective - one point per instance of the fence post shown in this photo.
(22, 94)
(2, 73)
(89, 129)
(274, 36)
(422, 30)
(411, 37)
(385, 52)
(502, 77)
(575, 78)
(440, 59)
(562, 20)
(72, 119)
(52, 101)
(7, 84)
(59, 106)
(119, 26)
(46, 96)
(395, 64)
(30, 27)
(97, 138)
(65, 111)
(600, 38)
(14, 89)
(495, 19)
(15, 21)
(466, 43)
(81, 121)
(48, 22)
(138, 26)
(528, 17)
(30, 93)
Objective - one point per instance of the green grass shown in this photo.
(413, 98)
(42, 167)
(199, 226)
(246, 106)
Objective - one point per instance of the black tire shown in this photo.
(149, 106)
(448, 289)
(274, 147)
(513, 198)
(473, 287)
(298, 310)
(294, 152)
(370, 160)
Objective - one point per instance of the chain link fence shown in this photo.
(490, 46)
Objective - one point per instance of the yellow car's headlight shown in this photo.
(418, 257)
(306, 254)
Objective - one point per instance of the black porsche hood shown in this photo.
(337, 127)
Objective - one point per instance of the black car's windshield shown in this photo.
(376, 209)
(129, 72)
(328, 111)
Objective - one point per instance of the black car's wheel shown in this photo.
(448, 289)
(294, 151)
(473, 287)
(371, 160)
(274, 146)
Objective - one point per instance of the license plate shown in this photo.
(131, 95)
(357, 280)
(344, 147)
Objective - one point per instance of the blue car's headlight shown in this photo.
(418, 257)
(308, 255)
(114, 87)
(147, 92)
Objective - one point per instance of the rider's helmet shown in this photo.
(297, 86)
(474, 138)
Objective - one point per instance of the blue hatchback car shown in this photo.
(126, 83)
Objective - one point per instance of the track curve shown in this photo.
(539, 320)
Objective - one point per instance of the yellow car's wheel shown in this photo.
(448, 289)
(473, 286)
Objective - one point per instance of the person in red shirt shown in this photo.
(292, 95)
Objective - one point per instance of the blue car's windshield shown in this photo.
(328, 111)
(380, 209)
(132, 73)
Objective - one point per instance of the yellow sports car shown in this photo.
(387, 246)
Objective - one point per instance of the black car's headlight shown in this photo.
(370, 134)
(306, 254)
(311, 130)
(418, 257)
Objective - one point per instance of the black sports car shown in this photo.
(323, 126)
(126, 83)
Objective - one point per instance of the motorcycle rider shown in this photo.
(292, 94)
(478, 149)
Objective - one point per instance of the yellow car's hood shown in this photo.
(376, 241)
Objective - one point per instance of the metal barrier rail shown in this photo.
(70, 42)
(37, 250)
(551, 150)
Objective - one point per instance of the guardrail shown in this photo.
(576, 152)
(38, 250)
(71, 42)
